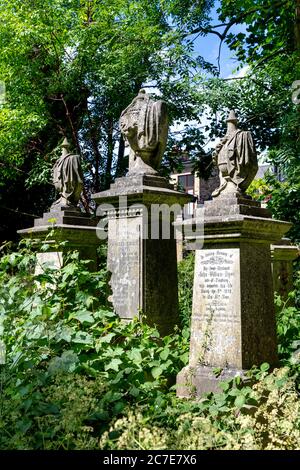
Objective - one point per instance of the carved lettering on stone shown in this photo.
(216, 334)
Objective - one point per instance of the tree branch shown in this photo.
(238, 19)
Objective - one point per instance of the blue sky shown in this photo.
(208, 47)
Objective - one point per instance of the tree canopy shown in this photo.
(71, 67)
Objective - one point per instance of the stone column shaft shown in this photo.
(142, 248)
(233, 318)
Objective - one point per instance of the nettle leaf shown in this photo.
(113, 365)
(135, 355)
(64, 334)
(156, 372)
(82, 337)
(83, 317)
(164, 354)
(67, 362)
(240, 401)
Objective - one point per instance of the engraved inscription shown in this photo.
(215, 281)
(216, 319)
(124, 264)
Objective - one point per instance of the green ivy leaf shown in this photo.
(265, 367)
(156, 372)
(83, 317)
(113, 365)
(164, 354)
(135, 355)
(239, 401)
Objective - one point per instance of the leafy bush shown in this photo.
(185, 288)
(271, 421)
(77, 377)
(58, 323)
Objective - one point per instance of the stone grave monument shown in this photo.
(140, 209)
(283, 253)
(233, 318)
(65, 222)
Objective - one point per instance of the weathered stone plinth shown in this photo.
(283, 253)
(179, 237)
(63, 224)
(233, 318)
(142, 247)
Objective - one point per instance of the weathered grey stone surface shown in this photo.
(50, 259)
(283, 254)
(84, 239)
(233, 318)
(179, 238)
(62, 215)
(77, 230)
(67, 178)
(193, 382)
(236, 159)
(141, 261)
(144, 125)
(65, 222)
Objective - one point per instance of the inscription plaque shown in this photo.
(124, 262)
(216, 335)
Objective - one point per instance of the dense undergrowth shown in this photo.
(73, 376)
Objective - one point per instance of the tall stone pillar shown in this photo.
(141, 209)
(142, 248)
(283, 254)
(233, 318)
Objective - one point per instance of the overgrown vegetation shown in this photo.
(70, 68)
(76, 377)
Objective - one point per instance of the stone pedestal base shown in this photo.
(142, 248)
(233, 318)
(63, 230)
(197, 381)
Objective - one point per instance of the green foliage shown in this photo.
(265, 37)
(282, 198)
(284, 202)
(269, 30)
(259, 190)
(185, 289)
(76, 377)
(288, 330)
(57, 324)
(262, 416)
(71, 67)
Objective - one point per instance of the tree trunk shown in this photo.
(121, 151)
(110, 148)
